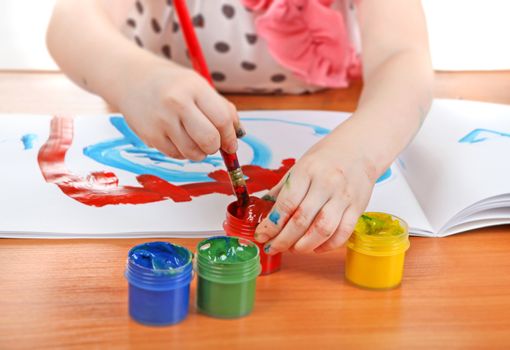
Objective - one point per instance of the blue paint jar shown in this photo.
(159, 276)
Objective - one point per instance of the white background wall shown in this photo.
(22, 34)
(464, 34)
(469, 34)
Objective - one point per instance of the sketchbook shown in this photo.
(91, 176)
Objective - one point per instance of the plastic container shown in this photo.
(237, 227)
(227, 269)
(376, 261)
(159, 276)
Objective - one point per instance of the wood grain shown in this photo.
(72, 293)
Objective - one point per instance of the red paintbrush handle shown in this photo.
(236, 178)
(194, 49)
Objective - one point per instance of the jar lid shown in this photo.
(159, 266)
(379, 234)
(227, 259)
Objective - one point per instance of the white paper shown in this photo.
(459, 157)
(32, 207)
(452, 177)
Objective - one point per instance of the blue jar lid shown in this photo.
(159, 266)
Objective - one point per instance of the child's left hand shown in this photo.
(321, 198)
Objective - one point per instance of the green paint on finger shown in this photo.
(269, 198)
(287, 181)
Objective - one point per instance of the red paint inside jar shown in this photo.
(242, 222)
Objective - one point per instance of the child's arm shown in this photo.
(320, 201)
(170, 107)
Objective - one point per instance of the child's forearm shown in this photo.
(395, 100)
(398, 80)
(88, 46)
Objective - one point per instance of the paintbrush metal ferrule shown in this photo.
(237, 177)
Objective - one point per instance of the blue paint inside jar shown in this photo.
(160, 256)
(159, 276)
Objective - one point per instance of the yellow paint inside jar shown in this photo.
(376, 251)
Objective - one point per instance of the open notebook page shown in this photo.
(459, 159)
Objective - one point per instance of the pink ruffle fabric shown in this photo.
(308, 38)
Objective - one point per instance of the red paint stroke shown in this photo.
(102, 188)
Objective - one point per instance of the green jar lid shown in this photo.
(226, 259)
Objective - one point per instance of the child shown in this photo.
(133, 55)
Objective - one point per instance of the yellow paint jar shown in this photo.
(376, 251)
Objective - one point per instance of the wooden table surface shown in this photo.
(72, 293)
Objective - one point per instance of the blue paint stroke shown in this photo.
(146, 160)
(111, 153)
(28, 141)
(475, 135)
(262, 154)
(274, 217)
(386, 175)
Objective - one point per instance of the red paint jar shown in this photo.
(239, 227)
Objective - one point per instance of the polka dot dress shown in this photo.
(237, 58)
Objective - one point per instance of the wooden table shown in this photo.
(72, 293)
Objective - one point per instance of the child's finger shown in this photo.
(238, 126)
(201, 130)
(323, 227)
(344, 230)
(294, 191)
(300, 220)
(222, 115)
(166, 146)
(227, 133)
(186, 146)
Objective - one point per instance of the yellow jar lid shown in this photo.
(379, 234)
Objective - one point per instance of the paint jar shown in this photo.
(239, 227)
(159, 276)
(227, 269)
(376, 251)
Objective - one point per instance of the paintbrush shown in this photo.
(199, 64)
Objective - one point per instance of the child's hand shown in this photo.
(176, 111)
(319, 201)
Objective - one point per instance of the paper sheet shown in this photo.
(459, 157)
(32, 206)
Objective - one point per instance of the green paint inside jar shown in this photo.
(227, 269)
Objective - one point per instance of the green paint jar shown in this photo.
(227, 269)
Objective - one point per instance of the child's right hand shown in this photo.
(176, 111)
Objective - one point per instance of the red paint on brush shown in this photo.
(102, 188)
